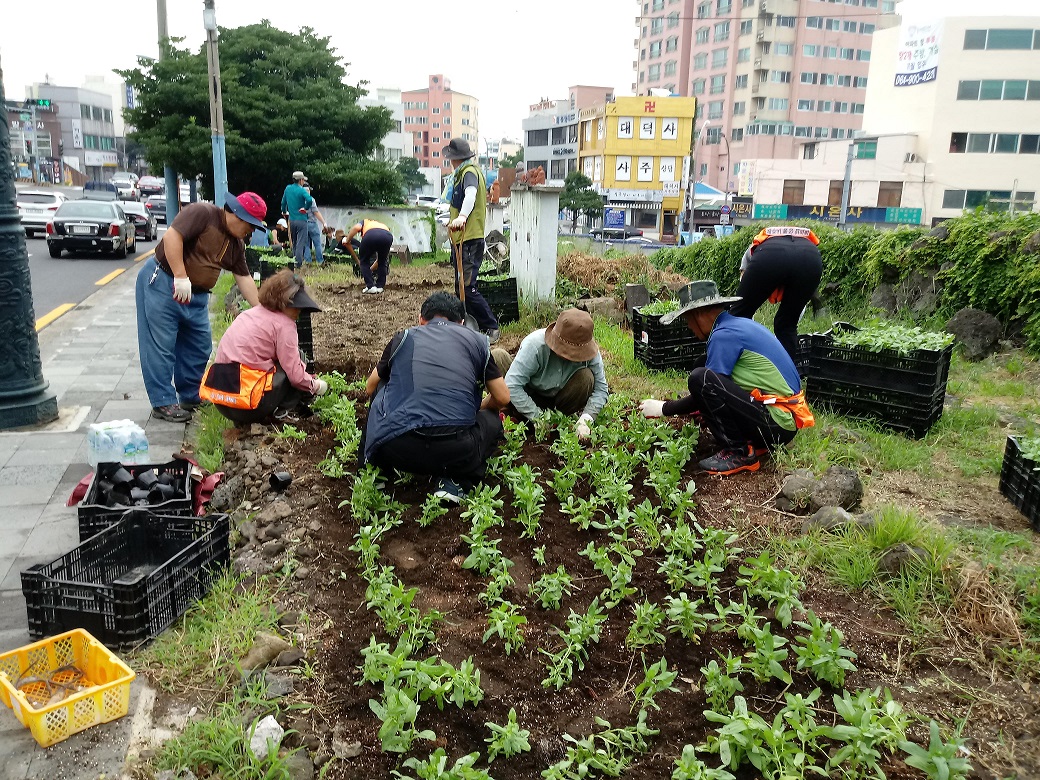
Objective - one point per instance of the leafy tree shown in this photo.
(408, 167)
(511, 160)
(286, 108)
(580, 198)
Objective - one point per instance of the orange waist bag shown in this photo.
(235, 385)
(795, 404)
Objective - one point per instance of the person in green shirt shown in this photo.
(468, 212)
(560, 368)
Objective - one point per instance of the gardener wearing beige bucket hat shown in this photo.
(560, 368)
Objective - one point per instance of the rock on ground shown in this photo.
(838, 486)
(266, 647)
(266, 735)
(977, 332)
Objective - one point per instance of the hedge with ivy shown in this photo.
(990, 261)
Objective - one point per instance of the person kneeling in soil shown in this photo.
(749, 392)
(560, 368)
(259, 371)
(426, 415)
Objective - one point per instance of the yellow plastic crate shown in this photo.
(62, 664)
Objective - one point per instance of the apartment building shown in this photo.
(436, 114)
(551, 131)
(768, 74)
(397, 143)
(952, 122)
(636, 150)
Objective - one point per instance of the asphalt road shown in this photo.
(59, 284)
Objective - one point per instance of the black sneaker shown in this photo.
(448, 490)
(731, 461)
(174, 413)
(191, 406)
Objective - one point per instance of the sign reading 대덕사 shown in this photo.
(918, 52)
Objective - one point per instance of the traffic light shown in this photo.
(38, 102)
(28, 147)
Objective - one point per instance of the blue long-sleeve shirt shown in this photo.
(295, 202)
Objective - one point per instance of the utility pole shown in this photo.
(216, 104)
(36, 143)
(846, 186)
(24, 395)
(173, 190)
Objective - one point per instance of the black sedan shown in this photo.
(143, 219)
(91, 226)
(156, 205)
(616, 232)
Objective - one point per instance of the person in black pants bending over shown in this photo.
(426, 415)
(783, 266)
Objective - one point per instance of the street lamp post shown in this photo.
(24, 397)
(173, 200)
(216, 104)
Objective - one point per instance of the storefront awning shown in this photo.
(640, 205)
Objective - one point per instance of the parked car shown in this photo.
(151, 185)
(612, 232)
(156, 205)
(36, 208)
(126, 186)
(91, 226)
(100, 190)
(144, 220)
(429, 201)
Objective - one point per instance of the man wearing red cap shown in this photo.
(173, 287)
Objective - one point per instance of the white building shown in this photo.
(944, 129)
(397, 143)
(551, 131)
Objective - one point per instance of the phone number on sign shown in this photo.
(912, 79)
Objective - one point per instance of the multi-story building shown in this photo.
(551, 130)
(88, 131)
(29, 143)
(952, 122)
(768, 74)
(436, 114)
(397, 143)
(494, 149)
(636, 151)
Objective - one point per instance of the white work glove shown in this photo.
(322, 388)
(652, 408)
(457, 224)
(182, 289)
(584, 427)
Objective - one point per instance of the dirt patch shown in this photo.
(945, 682)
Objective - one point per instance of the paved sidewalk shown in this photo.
(90, 359)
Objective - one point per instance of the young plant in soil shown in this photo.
(644, 631)
(508, 740)
(721, 683)
(608, 752)
(436, 767)
(656, 679)
(940, 761)
(689, 767)
(820, 652)
(550, 589)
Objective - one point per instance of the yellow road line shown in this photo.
(51, 316)
(108, 277)
(145, 256)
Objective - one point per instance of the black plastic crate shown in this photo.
(803, 354)
(503, 298)
(131, 581)
(305, 333)
(923, 372)
(904, 412)
(271, 265)
(95, 516)
(662, 347)
(1020, 482)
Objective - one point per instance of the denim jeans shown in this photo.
(174, 338)
(300, 237)
(315, 238)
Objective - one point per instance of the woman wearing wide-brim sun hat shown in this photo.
(560, 368)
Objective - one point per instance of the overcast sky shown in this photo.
(507, 53)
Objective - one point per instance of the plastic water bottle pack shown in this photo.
(117, 441)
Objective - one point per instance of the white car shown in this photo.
(36, 208)
(126, 184)
(427, 201)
